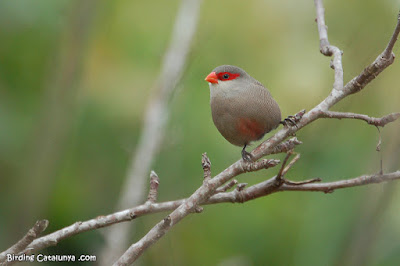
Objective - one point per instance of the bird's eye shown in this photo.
(226, 76)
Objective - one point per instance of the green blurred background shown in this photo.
(75, 77)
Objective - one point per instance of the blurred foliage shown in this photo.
(92, 138)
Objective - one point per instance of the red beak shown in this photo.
(212, 78)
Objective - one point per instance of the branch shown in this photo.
(206, 190)
(258, 165)
(128, 214)
(279, 177)
(389, 48)
(32, 234)
(259, 190)
(227, 186)
(290, 165)
(189, 206)
(262, 189)
(270, 186)
(207, 193)
(378, 122)
(354, 182)
(286, 146)
(327, 49)
(336, 95)
(384, 60)
(267, 147)
(153, 191)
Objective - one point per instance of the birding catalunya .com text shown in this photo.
(50, 258)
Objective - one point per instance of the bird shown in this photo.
(242, 109)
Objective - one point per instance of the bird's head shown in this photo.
(225, 73)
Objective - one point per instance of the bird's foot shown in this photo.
(292, 120)
(289, 121)
(247, 157)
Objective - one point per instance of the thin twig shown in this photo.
(322, 29)
(378, 122)
(331, 186)
(269, 186)
(298, 183)
(290, 165)
(389, 48)
(153, 191)
(384, 60)
(227, 186)
(30, 236)
(286, 146)
(279, 177)
(378, 149)
(326, 48)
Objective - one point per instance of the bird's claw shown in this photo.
(289, 121)
(292, 120)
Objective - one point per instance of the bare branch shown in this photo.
(200, 196)
(290, 165)
(270, 186)
(384, 60)
(322, 29)
(389, 48)
(327, 49)
(258, 165)
(262, 189)
(227, 186)
(279, 177)
(353, 86)
(331, 186)
(99, 222)
(298, 183)
(130, 214)
(153, 191)
(378, 122)
(256, 191)
(208, 189)
(207, 193)
(286, 146)
(32, 234)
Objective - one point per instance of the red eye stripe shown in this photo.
(227, 76)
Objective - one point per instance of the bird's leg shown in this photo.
(247, 157)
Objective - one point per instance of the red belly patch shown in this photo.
(250, 128)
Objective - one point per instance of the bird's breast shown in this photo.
(243, 115)
(249, 128)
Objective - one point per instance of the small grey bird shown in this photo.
(243, 110)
